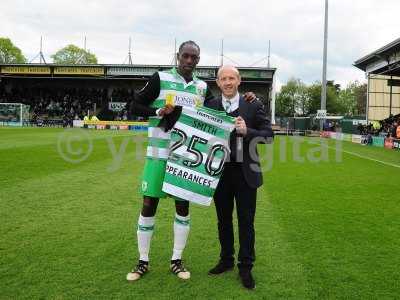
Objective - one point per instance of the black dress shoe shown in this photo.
(220, 268)
(247, 279)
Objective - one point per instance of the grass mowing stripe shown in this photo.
(369, 158)
(24, 163)
(49, 138)
(283, 274)
(339, 219)
(324, 230)
(360, 156)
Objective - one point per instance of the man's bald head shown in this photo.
(230, 68)
(228, 80)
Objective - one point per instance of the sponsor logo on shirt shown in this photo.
(179, 100)
(210, 117)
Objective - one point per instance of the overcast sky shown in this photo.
(295, 29)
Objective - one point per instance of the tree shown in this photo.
(9, 53)
(72, 55)
(297, 98)
(332, 104)
(292, 99)
(361, 97)
(353, 99)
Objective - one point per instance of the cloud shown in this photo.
(295, 29)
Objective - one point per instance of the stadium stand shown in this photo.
(56, 107)
(58, 94)
(389, 127)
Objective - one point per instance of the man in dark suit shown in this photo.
(241, 176)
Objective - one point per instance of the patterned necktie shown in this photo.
(227, 106)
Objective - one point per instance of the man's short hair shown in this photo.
(191, 43)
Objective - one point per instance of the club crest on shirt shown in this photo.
(144, 186)
(201, 91)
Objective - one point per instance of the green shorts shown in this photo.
(153, 177)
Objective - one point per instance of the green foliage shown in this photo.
(293, 98)
(314, 92)
(72, 55)
(9, 53)
(353, 99)
(68, 230)
(297, 98)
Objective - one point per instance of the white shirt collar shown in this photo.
(232, 104)
(179, 76)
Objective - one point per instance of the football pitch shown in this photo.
(327, 222)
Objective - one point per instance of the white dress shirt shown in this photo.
(231, 104)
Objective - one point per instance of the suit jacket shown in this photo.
(258, 126)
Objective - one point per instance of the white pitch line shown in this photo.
(362, 156)
(372, 159)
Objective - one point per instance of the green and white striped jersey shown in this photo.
(198, 150)
(175, 91)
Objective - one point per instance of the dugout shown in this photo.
(299, 123)
(127, 77)
(351, 126)
(382, 68)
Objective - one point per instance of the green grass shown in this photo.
(324, 230)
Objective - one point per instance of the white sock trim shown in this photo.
(181, 220)
(181, 233)
(144, 233)
(146, 220)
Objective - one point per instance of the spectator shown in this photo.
(398, 130)
(393, 129)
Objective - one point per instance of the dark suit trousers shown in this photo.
(233, 185)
